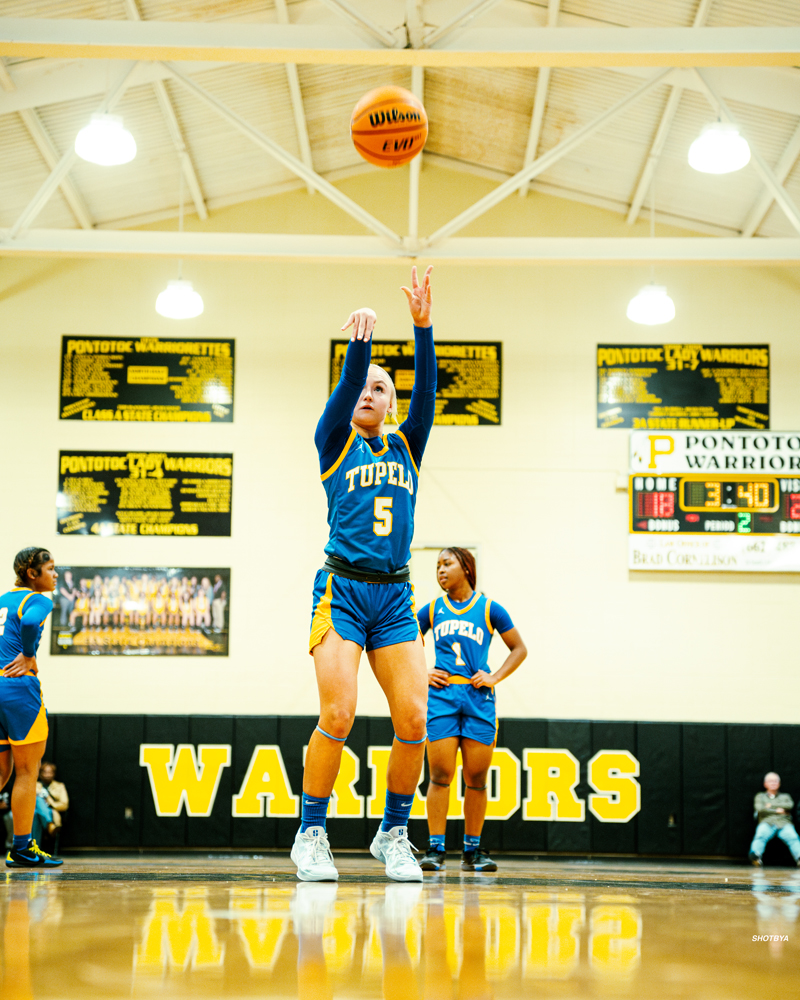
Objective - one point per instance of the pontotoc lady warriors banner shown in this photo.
(141, 611)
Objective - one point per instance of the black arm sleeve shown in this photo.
(333, 428)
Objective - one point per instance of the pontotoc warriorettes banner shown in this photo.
(146, 378)
(144, 493)
(683, 387)
(469, 375)
(141, 611)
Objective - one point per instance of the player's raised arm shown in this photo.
(422, 407)
(333, 428)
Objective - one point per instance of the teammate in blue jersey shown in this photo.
(363, 599)
(23, 718)
(461, 702)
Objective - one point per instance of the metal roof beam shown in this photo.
(539, 101)
(356, 18)
(545, 161)
(296, 95)
(664, 125)
(459, 21)
(418, 89)
(774, 186)
(174, 129)
(783, 168)
(373, 249)
(291, 163)
(219, 41)
(62, 168)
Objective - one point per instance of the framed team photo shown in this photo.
(141, 611)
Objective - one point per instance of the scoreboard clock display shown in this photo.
(704, 503)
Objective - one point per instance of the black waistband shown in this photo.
(340, 567)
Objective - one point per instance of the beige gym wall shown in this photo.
(538, 496)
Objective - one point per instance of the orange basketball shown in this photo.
(389, 126)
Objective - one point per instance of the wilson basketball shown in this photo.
(389, 126)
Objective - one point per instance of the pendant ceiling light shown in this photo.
(179, 300)
(719, 149)
(105, 141)
(651, 306)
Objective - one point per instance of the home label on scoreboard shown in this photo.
(685, 514)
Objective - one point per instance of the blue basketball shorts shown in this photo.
(462, 710)
(371, 614)
(23, 717)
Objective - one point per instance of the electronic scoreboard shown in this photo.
(699, 503)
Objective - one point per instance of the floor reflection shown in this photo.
(151, 935)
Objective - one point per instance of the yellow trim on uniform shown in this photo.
(402, 437)
(476, 594)
(22, 602)
(38, 732)
(488, 623)
(322, 620)
(385, 448)
(432, 610)
(458, 679)
(340, 459)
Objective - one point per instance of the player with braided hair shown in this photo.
(23, 718)
(461, 701)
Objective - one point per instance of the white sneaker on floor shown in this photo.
(312, 855)
(397, 852)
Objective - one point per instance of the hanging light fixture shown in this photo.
(719, 149)
(105, 141)
(179, 300)
(651, 306)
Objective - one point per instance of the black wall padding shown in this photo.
(697, 784)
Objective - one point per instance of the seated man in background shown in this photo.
(773, 812)
(55, 796)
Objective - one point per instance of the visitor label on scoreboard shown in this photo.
(469, 377)
(140, 611)
(718, 500)
(683, 386)
(144, 493)
(147, 379)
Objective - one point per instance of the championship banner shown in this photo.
(144, 493)
(469, 377)
(172, 381)
(136, 611)
(677, 387)
(715, 501)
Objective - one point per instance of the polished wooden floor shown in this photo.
(241, 926)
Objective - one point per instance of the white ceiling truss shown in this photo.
(558, 71)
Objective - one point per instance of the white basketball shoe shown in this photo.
(312, 855)
(397, 852)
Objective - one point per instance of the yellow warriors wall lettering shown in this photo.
(178, 933)
(378, 761)
(345, 801)
(503, 781)
(266, 790)
(615, 940)
(612, 774)
(553, 939)
(553, 776)
(180, 777)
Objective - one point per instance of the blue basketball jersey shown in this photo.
(371, 501)
(462, 631)
(14, 605)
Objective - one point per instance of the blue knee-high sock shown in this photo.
(397, 811)
(471, 843)
(21, 842)
(314, 811)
